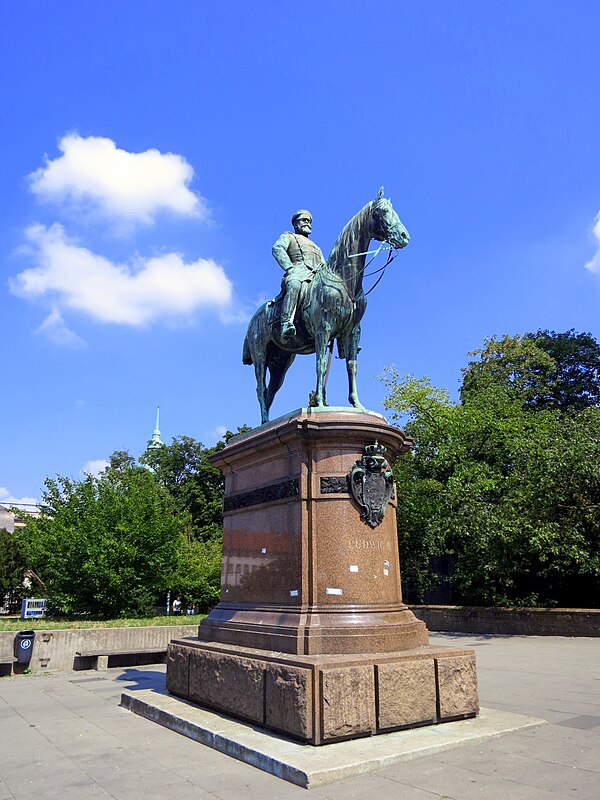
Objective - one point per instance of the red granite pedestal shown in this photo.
(311, 637)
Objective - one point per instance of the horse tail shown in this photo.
(246, 354)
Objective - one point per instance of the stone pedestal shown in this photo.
(311, 636)
(326, 698)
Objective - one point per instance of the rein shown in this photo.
(392, 253)
(390, 258)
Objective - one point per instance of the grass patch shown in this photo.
(50, 624)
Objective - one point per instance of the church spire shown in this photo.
(156, 441)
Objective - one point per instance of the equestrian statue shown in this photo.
(320, 301)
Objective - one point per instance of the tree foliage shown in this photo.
(543, 370)
(12, 567)
(183, 469)
(114, 545)
(505, 481)
(110, 545)
(576, 383)
(197, 578)
(516, 363)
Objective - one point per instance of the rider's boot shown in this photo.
(288, 329)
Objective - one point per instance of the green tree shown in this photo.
(197, 578)
(183, 469)
(544, 370)
(509, 491)
(516, 363)
(109, 546)
(12, 566)
(576, 383)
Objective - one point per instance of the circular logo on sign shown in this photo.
(25, 644)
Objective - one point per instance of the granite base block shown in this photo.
(415, 702)
(287, 692)
(326, 698)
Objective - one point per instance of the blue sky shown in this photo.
(152, 153)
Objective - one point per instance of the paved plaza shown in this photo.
(64, 736)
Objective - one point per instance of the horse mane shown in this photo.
(352, 240)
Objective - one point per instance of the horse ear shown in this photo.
(379, 195)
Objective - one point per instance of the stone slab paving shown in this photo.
(65, 736)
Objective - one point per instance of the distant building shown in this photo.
(7, 520)
(10, 519)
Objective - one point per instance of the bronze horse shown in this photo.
(331, 307)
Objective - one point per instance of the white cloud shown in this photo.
(94, 174)
(594, 264)
(8, 499)
(94, 467)
(218, 432)
(75, 278)
(55, 329)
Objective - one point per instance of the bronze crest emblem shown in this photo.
(371, 483)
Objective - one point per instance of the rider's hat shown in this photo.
(302, 213)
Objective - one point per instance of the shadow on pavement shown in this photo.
(136, 679)
(483, 638)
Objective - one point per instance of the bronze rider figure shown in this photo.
(300, 259)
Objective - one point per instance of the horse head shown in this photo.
(385, 223)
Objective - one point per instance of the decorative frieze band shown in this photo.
(266, 494)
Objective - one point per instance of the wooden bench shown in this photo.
(100, 656)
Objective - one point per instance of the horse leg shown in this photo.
(327, 368)
(351, 366)
(259, 371)
(321, 342)
(278, 366)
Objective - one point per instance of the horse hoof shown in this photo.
(358, 406)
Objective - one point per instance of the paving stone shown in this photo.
(5, 793)
(533, 675)
(459, 783)
(540, 774)
(91, 791)
(583, 754)
(366, 787)
(584, 722)
(47, 783)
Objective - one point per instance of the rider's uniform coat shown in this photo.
(298, 256)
